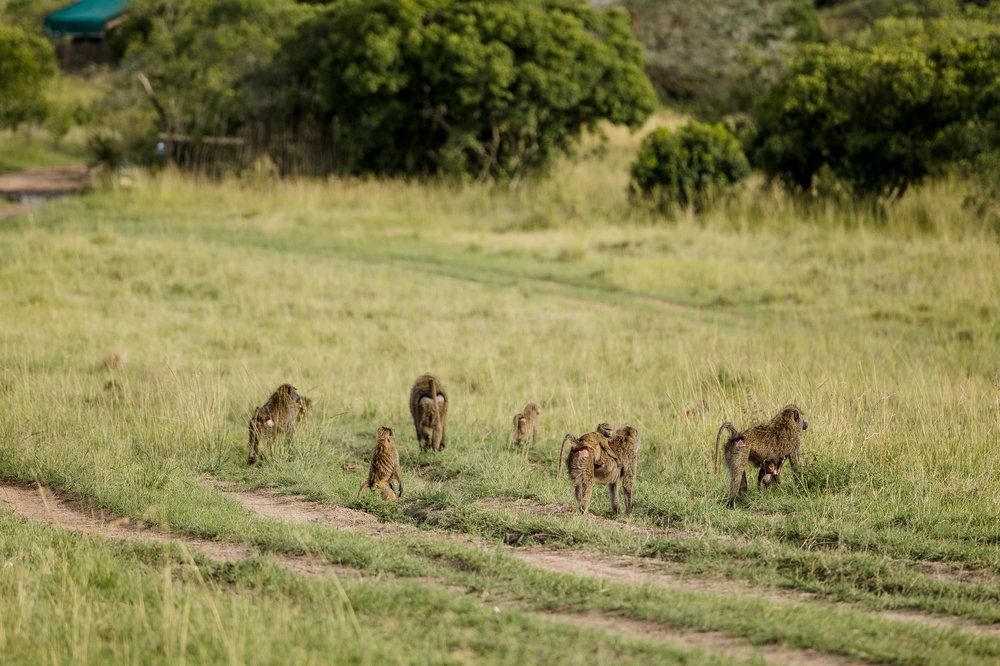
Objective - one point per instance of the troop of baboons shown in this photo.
(607, 456)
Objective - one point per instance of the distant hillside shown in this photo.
(717, 55)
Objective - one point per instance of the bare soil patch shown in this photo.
(710, 641)
(530, 506)
(29, 189)
(954, 571)
(45, 181)
(14, 209)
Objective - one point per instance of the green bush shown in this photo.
(692, 166)
(910, 100)
(493, 89)
(26, 61)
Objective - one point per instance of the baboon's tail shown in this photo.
(561, 447)
(732, 433)
(363, 484)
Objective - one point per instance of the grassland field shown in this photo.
(884, 329)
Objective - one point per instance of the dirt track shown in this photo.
(18, 189)
(41, 505)
(622, 569)
(45, 181)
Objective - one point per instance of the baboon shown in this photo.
(305, 409)
(429, 407)
(609, 461)
(595, 441)
(385, 466)
(769, 473)
(279, 414)
(526, 423)
(620, 463)
(580, 466)
(776, 440)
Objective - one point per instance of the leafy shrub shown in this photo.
(105, 149)
(493, 89)
(25, 62)
(884, 115)
(689, 167)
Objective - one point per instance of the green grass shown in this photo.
(883, 329)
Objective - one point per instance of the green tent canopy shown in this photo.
(87, 17)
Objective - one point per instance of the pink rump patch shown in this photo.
(270, 423)
(584, 453)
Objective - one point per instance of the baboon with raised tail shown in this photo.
(526, 423)
(779, 438)
(429, 408)
(595, 457)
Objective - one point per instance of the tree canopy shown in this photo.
(25, 62)
(490, 88)
(908, 99)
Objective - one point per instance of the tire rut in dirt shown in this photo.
(42, 505)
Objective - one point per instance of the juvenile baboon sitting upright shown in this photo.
(775, 440)
(526, 423)
(385, 466)
(429, 408)
(278, 415)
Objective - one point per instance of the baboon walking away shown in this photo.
(583, 453)
(429, 408)
(594, 457)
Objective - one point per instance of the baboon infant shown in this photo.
(775, 440)
(526, 423)
(305, 409)
(769, 473)
(279, 414)
(610, 461)
(384, 467)
(429, 408)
